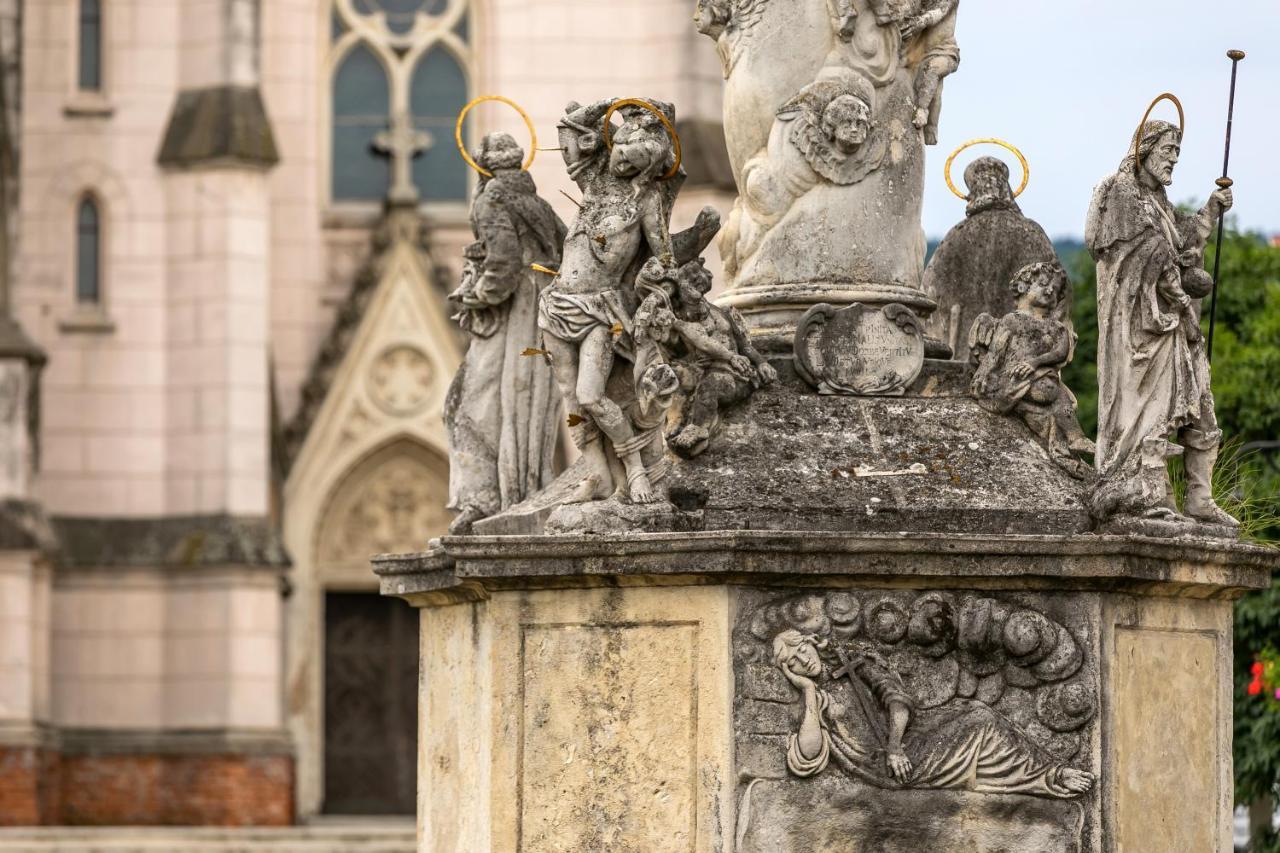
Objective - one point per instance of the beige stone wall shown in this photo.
(577, 720)
(104, 392)
(1167, 691)
(148, 650)
(24, 642)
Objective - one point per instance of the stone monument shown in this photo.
(850, 596)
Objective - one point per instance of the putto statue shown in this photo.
(828, 106)
(1019, 365)
(1153, 374)
(971, 267)
(712, 355)
(502, 412)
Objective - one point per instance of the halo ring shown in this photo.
(666, 122)
(990, 140)
(528, 122)
(1182, 118)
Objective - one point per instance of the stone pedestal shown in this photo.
(623, 693)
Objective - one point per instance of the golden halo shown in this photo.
(528, 122)
(636, 102)
(1182, 118)
(1026, 167)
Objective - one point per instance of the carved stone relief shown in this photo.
(962, 713)
(393, 502)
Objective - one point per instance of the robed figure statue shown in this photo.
(1153, 372)
(503, 409)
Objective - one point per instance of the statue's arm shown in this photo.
(504, 259)
(1060, 353)
(656, 229)
(697, 338)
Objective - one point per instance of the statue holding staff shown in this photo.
(1153, 374)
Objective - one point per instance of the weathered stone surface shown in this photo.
(214, 540)
(835, 818)
(802, 461)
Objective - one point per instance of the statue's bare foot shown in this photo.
(587, 491)
(461, 526)
(921, 118)
(1076, 781)
(642, 491)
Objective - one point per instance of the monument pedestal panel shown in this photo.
(752, 691)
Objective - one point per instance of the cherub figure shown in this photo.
(825, 134)
(1019, 360)
(714, 358)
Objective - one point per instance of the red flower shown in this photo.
(1255, 687)
(1257, 669)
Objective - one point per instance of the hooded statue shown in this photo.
(970, 271)
(503, 409)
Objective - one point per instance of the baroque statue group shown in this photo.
(602, 330)
(847, 485)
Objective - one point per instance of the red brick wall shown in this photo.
(40, 787)
(29, 785)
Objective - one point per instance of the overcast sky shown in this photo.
(1068, 81)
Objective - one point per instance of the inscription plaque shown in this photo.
(861, 350)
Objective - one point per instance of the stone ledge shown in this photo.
(172, 742)
(467, 568)
(186, 541)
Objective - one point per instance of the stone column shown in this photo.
(1065, 693)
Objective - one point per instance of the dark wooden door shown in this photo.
(370, 704)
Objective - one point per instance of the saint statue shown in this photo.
(1153, 373)
(502, 412)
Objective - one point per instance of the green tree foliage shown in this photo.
(1246, 385)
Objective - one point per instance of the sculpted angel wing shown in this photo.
(747, 13)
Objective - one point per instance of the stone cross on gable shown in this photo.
(402, 142)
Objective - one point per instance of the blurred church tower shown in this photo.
(229, 227)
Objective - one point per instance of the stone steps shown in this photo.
(379, 837)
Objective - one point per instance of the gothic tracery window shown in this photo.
(393, 60)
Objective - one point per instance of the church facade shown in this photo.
(229, 228)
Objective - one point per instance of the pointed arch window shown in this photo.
(398, 59)
(90, 46)
(88, 253)
(438, 92)
(361, 104)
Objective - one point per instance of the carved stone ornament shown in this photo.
(400, 380)
(860, 350)
(963, 715)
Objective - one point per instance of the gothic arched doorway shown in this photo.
(392, 501)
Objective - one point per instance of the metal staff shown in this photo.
(1224, 182)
